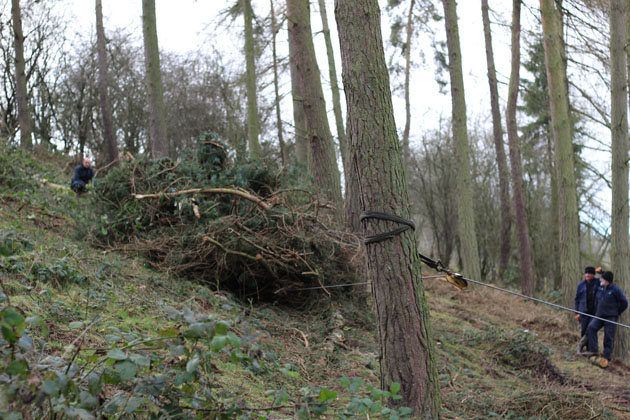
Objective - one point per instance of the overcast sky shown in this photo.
(188, 25)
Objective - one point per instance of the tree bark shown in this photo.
(250, 71)
(628, 43)
(21, 94)
(334, 85)
(322, 159)
(405, 139)
(619, 128)
(407, 355)
(108, 130)
(555, 215)
(465, 211)
(497, 130)
(563, 148)
(155, 96)
(274, 31)
(524, 247)
(299, 120)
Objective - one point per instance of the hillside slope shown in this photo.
(170, 347)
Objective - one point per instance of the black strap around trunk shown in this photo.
(372, 239)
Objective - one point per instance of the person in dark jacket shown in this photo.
(598, 274)
(611, 302)
(81, 176)
(586, 298)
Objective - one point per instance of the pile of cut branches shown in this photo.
(240, 228)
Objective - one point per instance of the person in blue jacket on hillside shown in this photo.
(585, 301)
(81, 176)
(611, 302)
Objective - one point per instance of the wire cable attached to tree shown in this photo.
(452, 277)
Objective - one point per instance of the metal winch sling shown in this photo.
(452, 277)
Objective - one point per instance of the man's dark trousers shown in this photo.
(78, 186)
(584, 321)
(609, 335)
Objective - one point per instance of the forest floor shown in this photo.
(498, 355)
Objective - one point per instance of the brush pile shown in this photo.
(240, 228)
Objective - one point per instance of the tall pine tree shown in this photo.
(407, 355)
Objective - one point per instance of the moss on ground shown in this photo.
(485, 340)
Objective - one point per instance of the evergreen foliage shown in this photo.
(223, 239)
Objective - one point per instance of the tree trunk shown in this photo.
(628, 43)
(525, 253)
(465, 211)
(334, 86)
(21, 94)
(250, 70)
(619, 128)
(299, 120)
(555, 215)
(83, 133)
(497, 130)
(157, 118)
(235, 131)
(322, 159)
(407, 355)
(352, 213)
(405, 139)
(274, 31)
(110, 140)
(563, 153)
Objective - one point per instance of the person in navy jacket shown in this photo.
(81, 176)
(611, 302)
(586, 298)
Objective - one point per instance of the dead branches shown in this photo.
(234, 229)
(241, 193)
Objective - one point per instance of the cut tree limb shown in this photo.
(244, 194)
(44, 181)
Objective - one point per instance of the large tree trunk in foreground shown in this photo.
(465, 212)
(563, 153)
(497, 131)
(619, 128)
(407, 355)
(334, 85)
(322, 159)
(250, 70)
(155, 96)
(524, 248)
(110, 140)
(21, 95)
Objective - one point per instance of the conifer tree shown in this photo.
(153, 77)
(108, 129)
(407, 355)
(21, 94)
(465, 212)
(555, 63)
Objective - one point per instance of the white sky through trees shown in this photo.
(190, 26)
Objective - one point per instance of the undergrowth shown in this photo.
(91, 333)
(89, 348)
(258, 234)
